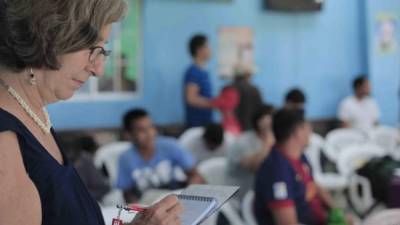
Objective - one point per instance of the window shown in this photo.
(122, 69)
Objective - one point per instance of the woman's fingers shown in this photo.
(165, 212)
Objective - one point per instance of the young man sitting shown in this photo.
(151, 161)
(286, 193)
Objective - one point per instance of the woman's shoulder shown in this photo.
(8, 136)
(10, 154)
(8, 122)
(8, 144)
(18, 185)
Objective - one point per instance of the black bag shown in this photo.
(380, 172)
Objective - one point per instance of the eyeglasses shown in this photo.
(98, 52)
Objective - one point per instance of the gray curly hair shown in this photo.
(36, 32)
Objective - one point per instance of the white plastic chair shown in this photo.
(313, 151)
(186, 139)
(189, 140)
(194, 133)
(230, 214)
(352, 158)
(113, 198)
(361, 201)
(337, 139)
(214, 170)
(108, 155)
(330, 181)
(247, 208)
(387, 138)
(386, 217)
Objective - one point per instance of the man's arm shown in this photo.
(93, 178)
(344, 114)
(328, 201)
(377, 113)
(125, 182)
(194, 99)
(285, 216)
(185, 160)
(325, 197)
(253, 161)
(344, 124)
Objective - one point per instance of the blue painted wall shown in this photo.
(320, 52)
(384, 68)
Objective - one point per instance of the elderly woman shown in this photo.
(48, 49)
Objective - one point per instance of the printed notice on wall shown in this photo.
(386, 28)
(235, 46)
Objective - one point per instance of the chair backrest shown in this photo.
(230, 214)
(313, 151)
(214, 170)
(385, 217)
(338, 139)
(108, 155)
(247, 208)
(186, 139)
(386, 137)
(191, 135)
(354, 156)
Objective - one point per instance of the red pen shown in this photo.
(138, 207)
(133, 207)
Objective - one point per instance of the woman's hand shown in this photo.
(165, 212)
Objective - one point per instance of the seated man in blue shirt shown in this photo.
(151, 160)
(285, 190)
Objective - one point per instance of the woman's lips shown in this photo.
(78, 82)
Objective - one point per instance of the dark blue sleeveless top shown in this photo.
(64, 198)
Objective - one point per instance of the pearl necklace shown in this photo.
(45, 127)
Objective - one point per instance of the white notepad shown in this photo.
(196, 208)
(201, 201)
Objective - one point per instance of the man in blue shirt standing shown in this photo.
(151, 161)
(197, 84)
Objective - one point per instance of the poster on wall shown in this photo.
(386, 36)
(235, 46)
